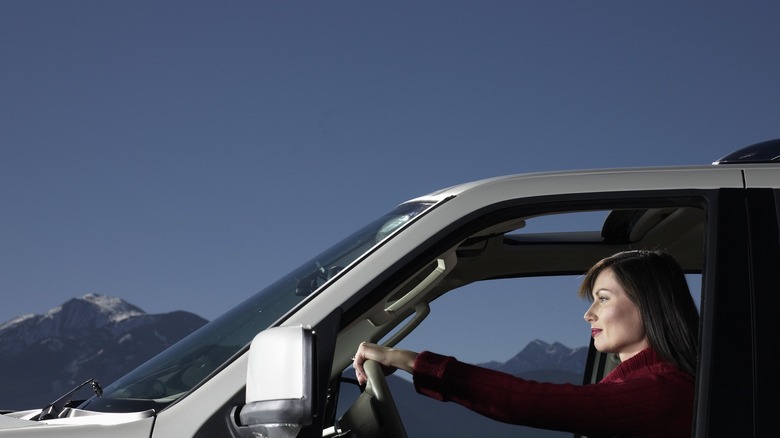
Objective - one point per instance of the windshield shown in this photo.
(172, 373)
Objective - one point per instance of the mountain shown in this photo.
(539, 360)
(93, 336)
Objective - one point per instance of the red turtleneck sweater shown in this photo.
(644, 396)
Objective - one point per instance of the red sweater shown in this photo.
(644, 396)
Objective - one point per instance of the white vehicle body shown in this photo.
(360, 301)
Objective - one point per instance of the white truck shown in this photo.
(273, 366)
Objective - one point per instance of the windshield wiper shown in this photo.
(54, 409)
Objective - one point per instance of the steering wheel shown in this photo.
(385, 407)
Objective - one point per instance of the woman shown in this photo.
(641, 310)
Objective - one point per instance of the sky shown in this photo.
(183, 155)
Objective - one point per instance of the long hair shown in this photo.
(656, 284)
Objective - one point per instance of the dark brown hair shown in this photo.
(656, 284)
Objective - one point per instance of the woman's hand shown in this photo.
(390, 359)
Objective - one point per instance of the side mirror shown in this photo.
(280, 383)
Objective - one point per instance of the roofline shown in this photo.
(465, 186)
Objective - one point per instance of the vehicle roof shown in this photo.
(759, 155)
(586, 174)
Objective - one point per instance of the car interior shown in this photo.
(507, 246)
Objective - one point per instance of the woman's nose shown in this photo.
(589, 315)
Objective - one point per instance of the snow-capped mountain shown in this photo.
(76, 316)
(93, 336)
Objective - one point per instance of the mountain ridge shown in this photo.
(44, 355)
(542, 356)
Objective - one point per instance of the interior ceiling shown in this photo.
(679, 231)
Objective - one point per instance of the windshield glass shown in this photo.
(172, 373)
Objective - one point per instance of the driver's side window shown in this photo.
(529, 327)
(518, 314)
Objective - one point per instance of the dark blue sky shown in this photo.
(184, 154)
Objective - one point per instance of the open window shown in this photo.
(501, 292)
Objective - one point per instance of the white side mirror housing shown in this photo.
(279, 382)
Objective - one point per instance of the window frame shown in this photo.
(460, 228)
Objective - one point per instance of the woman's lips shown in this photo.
(594, 332)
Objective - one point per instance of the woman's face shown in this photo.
(614, 320)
